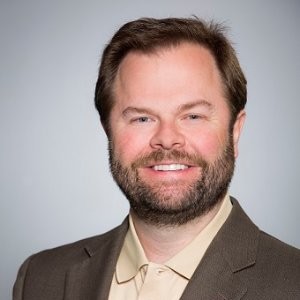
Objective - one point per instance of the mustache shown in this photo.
(163, 155)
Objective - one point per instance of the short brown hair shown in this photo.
(148, 35)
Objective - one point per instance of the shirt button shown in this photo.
(159, 271)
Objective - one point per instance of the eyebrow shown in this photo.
(181, 108)
(190, 105)
(132, 110)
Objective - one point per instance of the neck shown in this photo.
(162, 243)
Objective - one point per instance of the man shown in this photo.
(171, 98)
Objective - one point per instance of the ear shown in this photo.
(237, 130)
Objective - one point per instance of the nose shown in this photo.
(167, 137)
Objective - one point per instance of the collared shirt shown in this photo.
(137, 278)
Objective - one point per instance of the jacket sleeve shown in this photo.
(20, 281)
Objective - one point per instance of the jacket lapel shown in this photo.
(91, 278)
(214, 282)
(232, 250)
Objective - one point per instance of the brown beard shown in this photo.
(149, 203)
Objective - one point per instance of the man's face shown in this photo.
(171, 151)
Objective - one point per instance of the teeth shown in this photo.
(172, 167)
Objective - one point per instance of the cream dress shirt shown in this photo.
(136, 278)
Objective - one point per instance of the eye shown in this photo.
(142, 119)
(194, 117)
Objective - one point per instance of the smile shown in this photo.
(170, 167)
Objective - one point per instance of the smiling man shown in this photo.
(171, 98)
(172, 152)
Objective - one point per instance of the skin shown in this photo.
(172, 99)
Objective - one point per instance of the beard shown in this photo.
(174, 203)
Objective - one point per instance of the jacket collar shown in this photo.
(91, 278)
(233, 250)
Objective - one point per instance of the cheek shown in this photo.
(209, 144)
(128, 146)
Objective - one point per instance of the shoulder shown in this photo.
(273, 266)
(272, 243)
(277, 253)
(263, 245)
(46, 270)
(73, 252)
(276, 271)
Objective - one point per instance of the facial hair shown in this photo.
(152, 204)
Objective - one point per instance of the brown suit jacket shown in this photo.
(241, 263)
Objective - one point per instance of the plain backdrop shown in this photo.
(55, 185)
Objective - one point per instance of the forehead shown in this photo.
(187, 71)
(182, 55)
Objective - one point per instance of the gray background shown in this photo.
(55, 185)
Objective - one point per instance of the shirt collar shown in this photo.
(186, 261)
(132, 256)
